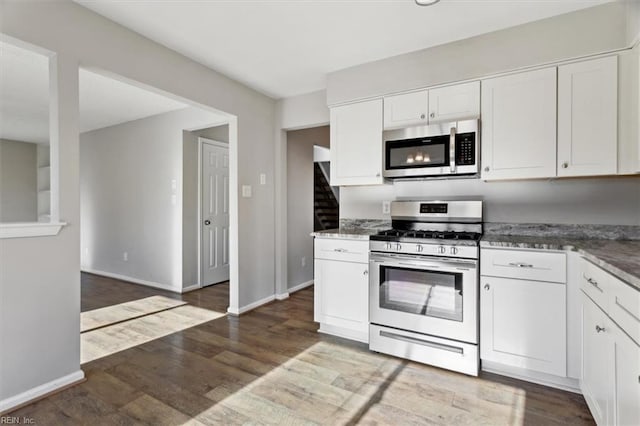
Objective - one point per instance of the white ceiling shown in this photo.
(286, 47)
(24, 98)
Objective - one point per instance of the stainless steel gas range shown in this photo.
(424, 284)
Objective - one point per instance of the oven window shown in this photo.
(416, 153)
(416, 291)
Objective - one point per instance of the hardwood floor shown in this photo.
(270, 366)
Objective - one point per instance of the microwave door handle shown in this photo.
(452, 150)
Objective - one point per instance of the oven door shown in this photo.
(435, 296)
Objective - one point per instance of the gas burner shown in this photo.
(429, 234)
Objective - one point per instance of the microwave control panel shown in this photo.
(465, 149)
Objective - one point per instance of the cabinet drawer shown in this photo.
(595, 282)
(527, 265)
(624, 308)
(344, 250)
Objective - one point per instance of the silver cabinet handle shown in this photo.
(593, 283)
(487, 287)
(366, 272)
(599, 329)
(565, 165)
(340, 250)
(486, 169)
(377, 174)
(432, 115)
(207, 222)
(521, 265)
(422, 116)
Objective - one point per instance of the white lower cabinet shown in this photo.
(341, 298)
(597, 371)
(626, 352)
(523, 324)
(610, 379)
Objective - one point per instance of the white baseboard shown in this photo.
(300, 286)
(131, 280)
(251, 306)
(191, 288)
(564, 383)
(39, 391)
(282, 296)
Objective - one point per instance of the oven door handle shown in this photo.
(424, 263)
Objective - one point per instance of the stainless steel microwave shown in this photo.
(433, 150)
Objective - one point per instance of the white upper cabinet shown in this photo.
(409, 109)
(453, 103)
(356, 144)
(519, 125)
(588, 117)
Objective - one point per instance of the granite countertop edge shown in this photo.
(620, 258)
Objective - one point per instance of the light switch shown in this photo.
(246, 191)
(263, 178)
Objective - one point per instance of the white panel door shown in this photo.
(215, 213)
(519, 126)
(523, 324)
(356, 144)
(588, 118)
(409, 109)
(627, 379)
(597, 383)
(453, 103)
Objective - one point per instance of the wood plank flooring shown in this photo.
(270, 366)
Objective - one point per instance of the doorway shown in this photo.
(213, 211)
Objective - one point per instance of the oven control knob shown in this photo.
(387, 246)
(442, 249)
(454, 250)
(398, 247)
(419, 248)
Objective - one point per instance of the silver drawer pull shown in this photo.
(624, 309)
(340, 250)
(593, 282)
(521, 265)
(599, 329)
(422, 342)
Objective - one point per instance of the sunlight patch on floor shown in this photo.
(114, 338)
(102, 317)
(333, 384)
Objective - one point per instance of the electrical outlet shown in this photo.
(246, 191)
(304, 261)
(125, 256)
(263, 179)
(386, 207)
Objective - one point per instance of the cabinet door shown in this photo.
(588, 118)
(519, 126)
(523, 324)
(409, 109)
(341, 297)
(627, 379)
(453, 103)
(597, 362)
(356, 144)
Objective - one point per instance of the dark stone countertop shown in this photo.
(620, 258)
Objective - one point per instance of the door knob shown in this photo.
(486, 286)
(207, 222)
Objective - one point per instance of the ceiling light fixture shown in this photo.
(426, 2)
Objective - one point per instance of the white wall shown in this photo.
(190, 199)
(613, 200)
(300, 192)
(575, 34)
(126, 175)
(40, 276)
(633, 21)
(18, 181)
(46, 347)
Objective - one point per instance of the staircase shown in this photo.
(325, 204)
